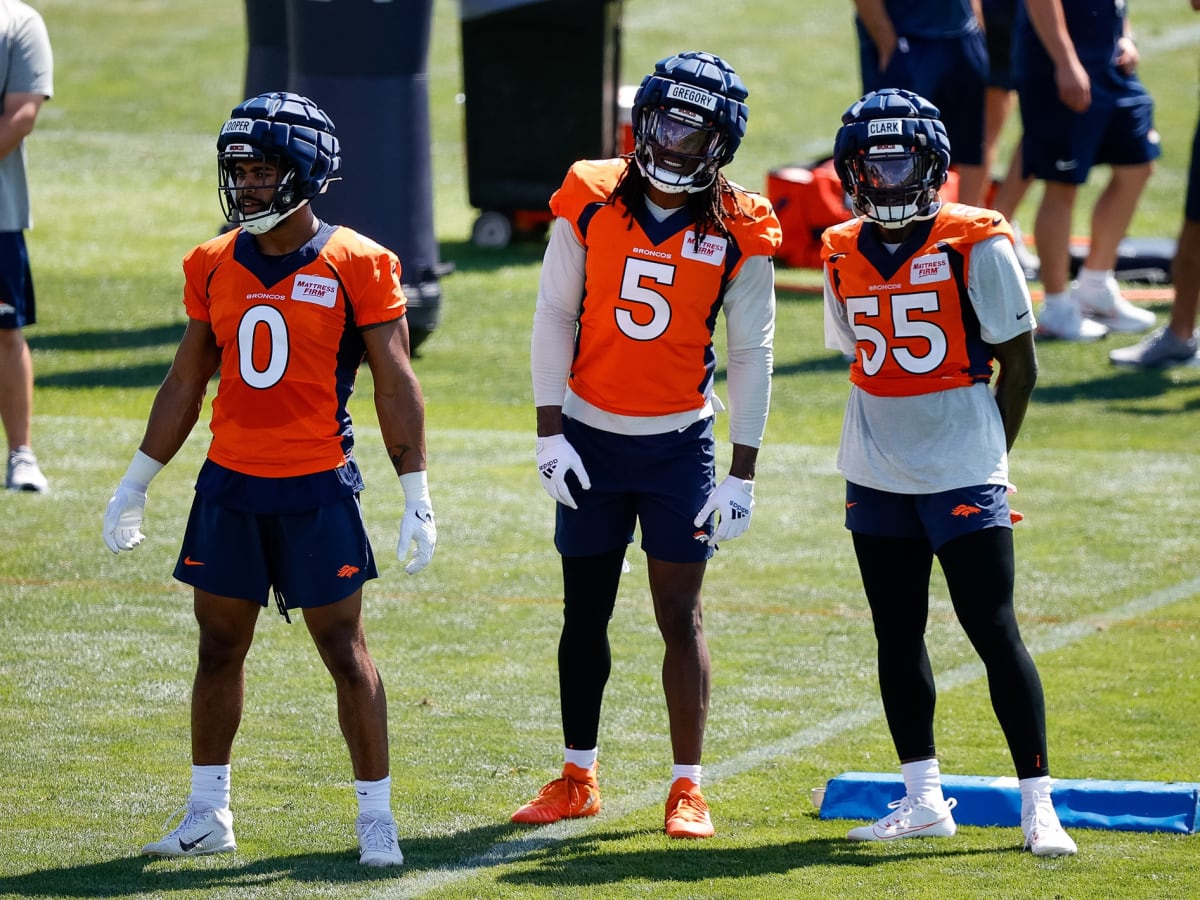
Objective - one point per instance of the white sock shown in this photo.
(374, 796)
(923, 781)
(692, 773)
(1095, 278)
(210, 785)
(585, 759)
(1059, 299)
(1030, 786)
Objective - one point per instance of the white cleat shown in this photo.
(911, 819)
(1044, 834)
(203, 830)
(377, 842)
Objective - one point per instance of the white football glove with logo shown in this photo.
(127, 506)
(733, 502)
(417, 523)
(555, 458)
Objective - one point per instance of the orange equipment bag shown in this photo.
(809, 199)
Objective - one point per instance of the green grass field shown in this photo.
(96, 667)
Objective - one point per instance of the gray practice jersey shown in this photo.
(943, 440)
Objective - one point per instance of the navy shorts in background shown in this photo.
(951, 73)
(1063, 146)
(17, 307)
(999, 16)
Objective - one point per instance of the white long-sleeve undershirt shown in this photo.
(749, 309)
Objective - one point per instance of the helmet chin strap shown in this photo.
(263, 223)
(897, 224)
(691, 186)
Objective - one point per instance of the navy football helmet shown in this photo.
(892, 154)
(288, 131)
(689, 116)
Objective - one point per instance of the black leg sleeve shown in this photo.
(895, 575)
(584, 660)
(980, 572)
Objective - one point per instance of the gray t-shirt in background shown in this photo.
(26, 67)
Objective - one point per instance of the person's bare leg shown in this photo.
(686, 669)
(337, 630)
(16, 388)
(1013, 188)
(1113, 212)
(1052, 234)
(998, 102)
(972, 183)
(1185, 273)
(218, 692)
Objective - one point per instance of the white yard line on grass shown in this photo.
(503, 852)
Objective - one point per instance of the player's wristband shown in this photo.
(142, 470)
(415, 484)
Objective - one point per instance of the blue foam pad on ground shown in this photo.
(982, 800)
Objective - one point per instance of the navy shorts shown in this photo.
(311, 558)
(999, 16)
(949, 72)
(937, 517)
(17, 308)
(1191, 209)
(657, 481)
(1116, 130)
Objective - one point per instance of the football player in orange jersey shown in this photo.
(286, 308)
(645, 251)
(927, 297)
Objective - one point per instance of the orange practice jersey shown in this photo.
(915, 327)
(290, 347)
(651, 293)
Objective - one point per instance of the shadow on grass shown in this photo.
(112, 373)
(469, 258)
(145, 876)
(581, 861)
(148, 375)
(107, 338)
(1123, 388)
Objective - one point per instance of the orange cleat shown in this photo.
(573, 796)
(687, 813)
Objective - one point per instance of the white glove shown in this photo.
(123, 517)
(733, 502)
(555, 458)
(127, 506)
(417, 523)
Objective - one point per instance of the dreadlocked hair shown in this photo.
(707, 207)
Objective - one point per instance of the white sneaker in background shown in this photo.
(23, 473)
(1064, 321)
(1107, 306)
(1159, 349)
